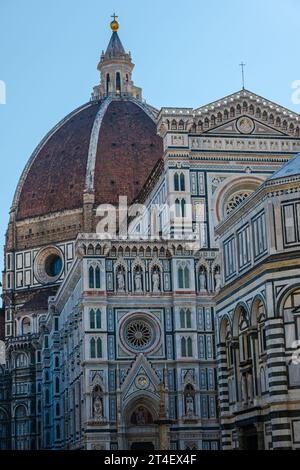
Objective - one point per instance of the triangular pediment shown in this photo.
(245, 125)
(141, 377)
(222, 116)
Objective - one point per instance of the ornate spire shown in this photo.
(116, 67)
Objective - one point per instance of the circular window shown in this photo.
(140, 333)
(53, 265)
(48, 265)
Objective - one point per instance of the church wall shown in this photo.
(247, 306)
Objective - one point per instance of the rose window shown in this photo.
(139, 334)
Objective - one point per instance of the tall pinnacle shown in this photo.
(115, 47)
(116, 67)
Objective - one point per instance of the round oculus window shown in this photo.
(140, 333)
(53, 265)
(48, 265)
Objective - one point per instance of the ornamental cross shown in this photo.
(114, 17)
(242, 65)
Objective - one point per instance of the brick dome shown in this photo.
(107, 147)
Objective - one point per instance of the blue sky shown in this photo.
(186, 54)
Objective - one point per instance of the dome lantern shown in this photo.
(115, 69)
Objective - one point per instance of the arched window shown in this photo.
(189, 347)
(57, 431)
(97, 277)
(56, 361)
(21, 360)
(186, 347)
(4, 430)
(96, 348)
(47, 396)
(94, 277)
(186, 277)
(57, 409)
(183, 277)
(180, 278)
(291, 310)
(98, 318)
(185, 318)
(26, 326)
(57, 385)
(183, 207)
(91, 278)
(176, 182)
(107, 83)
(93, 348)
(182, 182)
(118, 82)
(188, 318)
(182, 318)
(174, 125)
(99, 348)
(263, 385)
(183, 347)
(21, 427)
(181, 125)
(92, 319)
(177, 208)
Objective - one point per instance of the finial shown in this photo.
(114, 24)
(242, 65)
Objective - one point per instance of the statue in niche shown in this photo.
(189, 405)
(218, 281)
(120, 281)
(98, 407)
(138, 281)
(140, 416)
(202, 280)
(156, 281)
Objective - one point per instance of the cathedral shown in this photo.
(151, 284)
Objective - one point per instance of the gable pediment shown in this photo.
(140, 377)
(224, 115)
